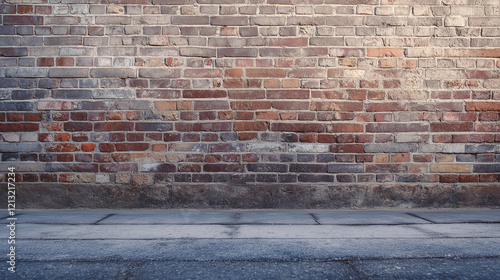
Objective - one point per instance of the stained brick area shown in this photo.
(251, 103)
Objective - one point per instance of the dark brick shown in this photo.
(154, 126)
(72, 94)
(78, 126)
(346, 178)
(223, 168)
(201, 178)
(22, 20)
(29, 94)
(118, 167)
(345, 168)
(308, 168)
(71, 167)
(313, 178)
(243, 178)
(16, 106)
(487, 168)
(158, 167)
(204, 94)
(13, 52)
(262, 167)
(266, 178)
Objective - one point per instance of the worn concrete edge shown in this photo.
(227, 196)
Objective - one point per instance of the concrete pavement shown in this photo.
(254, 244)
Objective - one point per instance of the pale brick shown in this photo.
(421, 11)
(29, 137)
(384, 11)
(308, 148)
(11, 137)
(451, 168)
(455, 21)
(102, 178)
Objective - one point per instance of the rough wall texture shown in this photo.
(251, 103)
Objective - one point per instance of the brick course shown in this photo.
(268, 103)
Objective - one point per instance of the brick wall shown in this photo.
(251, 103)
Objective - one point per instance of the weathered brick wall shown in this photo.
(251, 103)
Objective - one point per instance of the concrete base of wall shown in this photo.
(254, 196)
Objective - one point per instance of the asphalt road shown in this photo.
(254, 244)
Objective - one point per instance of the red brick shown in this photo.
(442, 138)
(33, 117)
(221, 126)
(326, 138)
(387, 107)
(65, 61)
(290, 105)
(288, 42)
(247, 94)
(250, 105)
(62, 147)
(203, 73)
(266, 72)
(308, 138)
(62, 137)
(244, 115)
(89, 147)
(204, 94)
(15, 117)
(468, 178)
(448, 178)
(107, 147)
(250, 126)
(347, 148)
(15, 127)
(77, 126)
(211, 105)
(488, 177)
(288, 94)
(45, 61)
(122, 147)
(22, 20)
(482, 106)
(65, 157)
(298, 127)
(344, 127)
(449, 126)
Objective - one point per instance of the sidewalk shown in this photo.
(254, 244)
